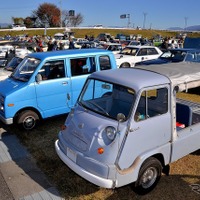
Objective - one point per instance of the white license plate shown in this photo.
(71, 154)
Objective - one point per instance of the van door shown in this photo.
(81, 68)
(150, 126)
(52, 91)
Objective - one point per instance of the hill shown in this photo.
(189, 28)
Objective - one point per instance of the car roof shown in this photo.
(184, 75)
(70, 53)
(140, 46)
(125, 76)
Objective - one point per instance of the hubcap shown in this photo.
(29, 123)
(149, 177)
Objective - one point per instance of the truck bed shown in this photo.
(194, 109)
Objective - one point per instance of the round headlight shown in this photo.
(110, 132)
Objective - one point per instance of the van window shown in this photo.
(152, 103)
(104, 62)
(53, 70)
(81, 66)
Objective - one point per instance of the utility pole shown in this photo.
(186, 19)
(128, 16)
(144, 22)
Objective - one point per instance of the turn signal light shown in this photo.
(63, 127)
(11, 104)
(100, 150)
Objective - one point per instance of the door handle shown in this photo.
(64, 83)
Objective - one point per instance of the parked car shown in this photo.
(174, 55)
(5, 48)
(13, 63)
(47, 84)
(128, 126)
(114, 47)
(18, 27)
(9, 67)
(133, 54)
(3, 62)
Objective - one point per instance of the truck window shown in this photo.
(104, 62)
(152, 103)
(81, 66)
(53, 70)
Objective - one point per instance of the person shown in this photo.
(61, 46)
(164, 45)
(71, 44)
(55, 46)
(50, 45)
(173, 45)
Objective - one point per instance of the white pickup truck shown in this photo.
(128, 125)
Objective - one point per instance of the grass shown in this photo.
(40, 143)
(82, 32)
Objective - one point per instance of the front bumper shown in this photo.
(99, 181)
(6, 121)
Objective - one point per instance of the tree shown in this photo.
(29, 22)
(72, 20)
(18, 20)
(47, 13)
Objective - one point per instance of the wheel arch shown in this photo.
(31, 109)
(126, 63)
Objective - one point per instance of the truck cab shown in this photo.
(128, 126)
(47, 84)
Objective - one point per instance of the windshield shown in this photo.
(13, 63)
(179, 56)
(25, 69)
(129, 51)
(106, 98)
(193, 56)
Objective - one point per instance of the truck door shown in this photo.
(150, 126)
(52, 91)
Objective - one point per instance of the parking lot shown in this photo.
(183, 182)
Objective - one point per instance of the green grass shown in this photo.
(82, 32)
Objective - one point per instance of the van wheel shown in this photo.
(149, 176)
(125, 65)
(27, 119)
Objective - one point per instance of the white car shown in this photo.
(22, 52)
(133, 54)
(19, 27)
(4, 74)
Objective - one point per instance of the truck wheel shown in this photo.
(27, 119)
(125, 65)
(149, 176)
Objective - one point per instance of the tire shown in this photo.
(149, 176)
(125, 65)
(27, 119)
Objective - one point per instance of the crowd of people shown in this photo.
(171, 43)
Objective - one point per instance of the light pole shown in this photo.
(144, 22)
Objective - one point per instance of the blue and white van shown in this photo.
(48, 84)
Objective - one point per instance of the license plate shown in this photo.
(71, 154)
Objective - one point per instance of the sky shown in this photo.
(155, 14)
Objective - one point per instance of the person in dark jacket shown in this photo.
(71, 44)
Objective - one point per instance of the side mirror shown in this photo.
(121, 117)
(38, 78)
